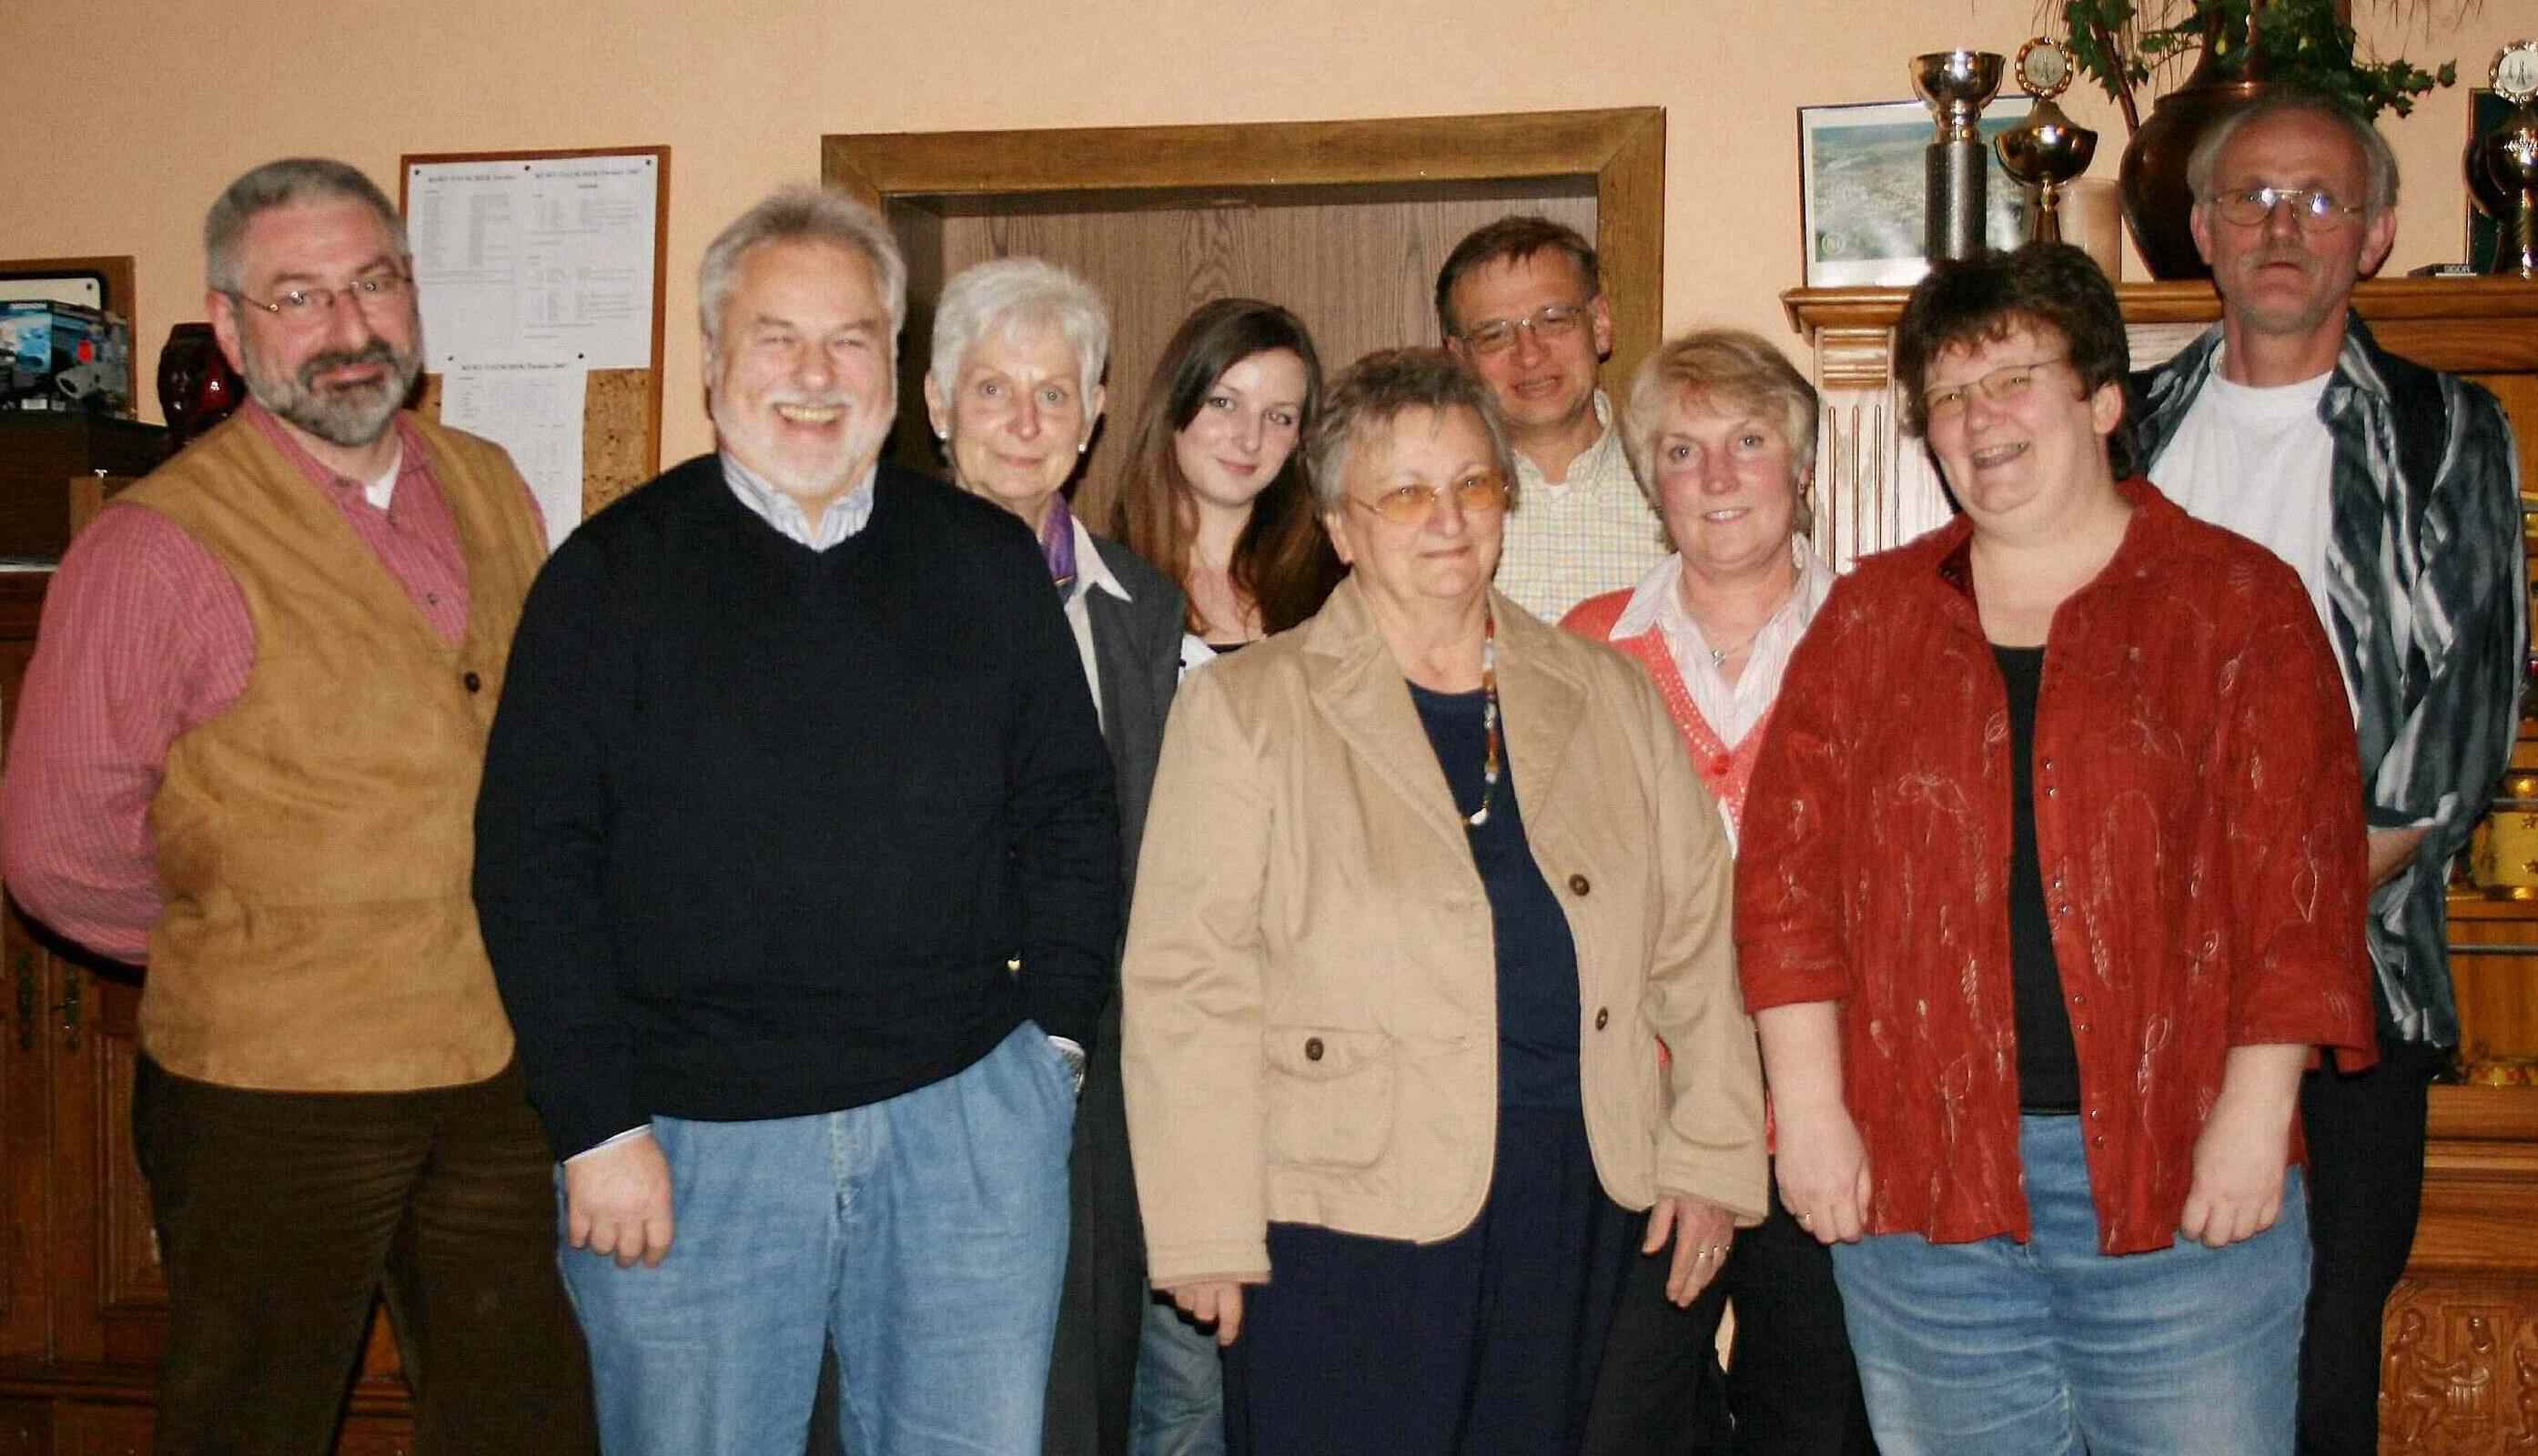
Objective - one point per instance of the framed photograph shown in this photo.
(1861, 189)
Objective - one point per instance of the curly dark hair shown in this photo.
(2044, 287)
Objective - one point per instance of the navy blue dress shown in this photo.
(1488, 1342)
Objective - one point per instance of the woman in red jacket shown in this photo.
(2053, 880)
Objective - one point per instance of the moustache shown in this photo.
(376, 351)
(2292, 257)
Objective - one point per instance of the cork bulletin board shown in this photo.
(538, 274)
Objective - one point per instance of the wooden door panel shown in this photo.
(102, 1431)
(26, 1428)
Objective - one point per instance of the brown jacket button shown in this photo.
(1577, 885)
(1603, 1015)
(1313, 1048)
(474, 682)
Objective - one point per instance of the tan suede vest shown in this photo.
(314, 840)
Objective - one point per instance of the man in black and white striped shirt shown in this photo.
(2393, 491)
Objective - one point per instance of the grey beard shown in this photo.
(352, 418)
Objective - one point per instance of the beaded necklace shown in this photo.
(1489, 718)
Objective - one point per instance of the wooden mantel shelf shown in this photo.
(2449, 301)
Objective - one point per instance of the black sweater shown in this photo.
(762, 827)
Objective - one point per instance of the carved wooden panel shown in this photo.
(2459, 1369)
(131, 1276)
(25, 1139)
(26, 1049)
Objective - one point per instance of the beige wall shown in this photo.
(134, 113)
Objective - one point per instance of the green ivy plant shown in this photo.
(2121, 45)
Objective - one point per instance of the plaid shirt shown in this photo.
(1591, 533)
(2429, 609)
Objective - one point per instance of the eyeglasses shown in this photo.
(2003, 385)
(1549, 322)
(371, 293)
(2315, 207)
(1482, 492)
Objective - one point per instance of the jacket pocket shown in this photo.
(1330, 1096)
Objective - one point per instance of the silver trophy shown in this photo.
(1956, 84)
(2048, 148)
(2511, 158)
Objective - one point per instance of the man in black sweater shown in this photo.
(797, 857)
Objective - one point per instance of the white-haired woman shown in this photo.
(1014, 391)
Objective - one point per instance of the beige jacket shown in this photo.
(1310, 987)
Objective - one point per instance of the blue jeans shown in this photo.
(924, 1236)
(1179, 1403)
(2050, 1347)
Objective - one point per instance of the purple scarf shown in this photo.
(1058, 543)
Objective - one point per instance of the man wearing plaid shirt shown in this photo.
(1519, 302)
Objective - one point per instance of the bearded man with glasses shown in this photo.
(1520, 302)
(2393, 490)
(248, 755)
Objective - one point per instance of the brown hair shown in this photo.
(2043, 286)
(1512, 238)
(1282, 561)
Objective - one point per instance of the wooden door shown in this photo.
(1342, 221)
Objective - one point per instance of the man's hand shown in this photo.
(617, 1201)
(1824, 1172)
(1701, 1232)
(1215, 1301)
(2245, 1147)
(2392, 850)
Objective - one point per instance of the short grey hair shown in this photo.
(2294, 102)
(1723, 367)
(1009, 294)
(1381, 388)
(282, 183)
(801, 215)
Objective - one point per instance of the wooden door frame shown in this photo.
(1623, 150)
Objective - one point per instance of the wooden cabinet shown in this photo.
(2459, 1372)
(82, 1299)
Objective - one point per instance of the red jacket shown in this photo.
(2199, 822)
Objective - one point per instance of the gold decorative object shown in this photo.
(2048, 148)
(2503, 854)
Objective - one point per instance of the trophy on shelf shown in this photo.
(1956, 84)
(2509, 156)
(2048, 148)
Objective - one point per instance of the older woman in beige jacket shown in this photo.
(1425, 882)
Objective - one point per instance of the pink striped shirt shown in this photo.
(145, 637)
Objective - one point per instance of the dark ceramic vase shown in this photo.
(197, 388)
(2157, 203)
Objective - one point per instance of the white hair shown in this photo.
(1008, 295)
(805, 215)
